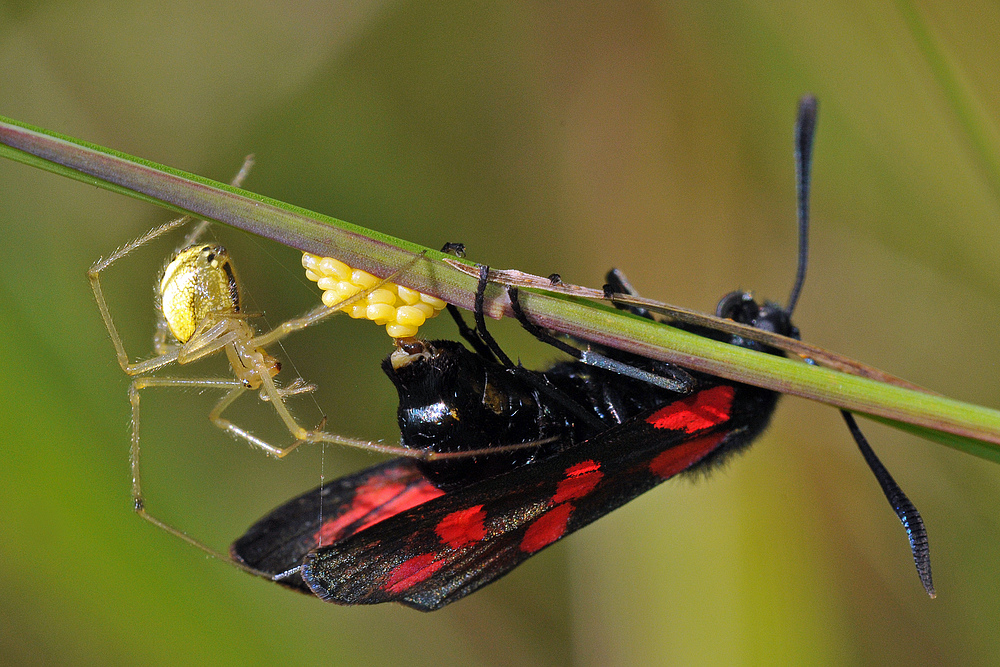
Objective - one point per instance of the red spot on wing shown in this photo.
(546, 529)
(373, 502)
(683, 456)
(463, 527)
(412, 571)
(579, 481)
(696, 412)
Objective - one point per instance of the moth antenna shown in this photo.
(901, 505)
(805, 132)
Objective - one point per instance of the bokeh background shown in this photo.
(547, 136)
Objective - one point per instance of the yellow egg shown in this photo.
(381, 296)
(401, 330)
(358, 311)
(433, 301)
(380, 311)
(410, 315)
(332, 267)
(408, 296)
(363, 279)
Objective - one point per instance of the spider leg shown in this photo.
(166, 355)
(237, 181)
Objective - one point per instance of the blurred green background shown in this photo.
(569, 137)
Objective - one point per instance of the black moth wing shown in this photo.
(450, 546)
(278, 542)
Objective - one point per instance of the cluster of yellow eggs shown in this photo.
(401, 309)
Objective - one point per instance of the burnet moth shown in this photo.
(525, 457)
